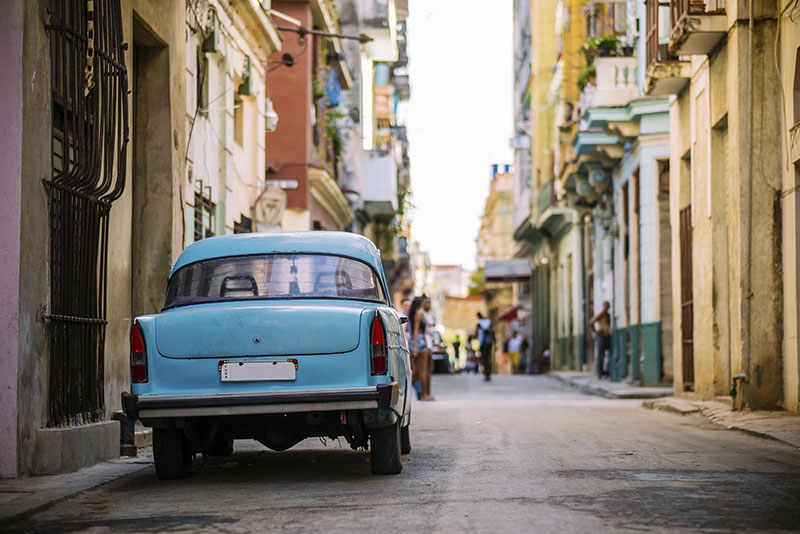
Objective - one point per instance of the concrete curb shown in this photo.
(610, 390)
(779, 426)
(38, 493)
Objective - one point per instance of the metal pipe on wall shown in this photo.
(744, 375)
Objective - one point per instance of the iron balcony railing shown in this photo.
(679, 9)
(545, 197)
(656, 50)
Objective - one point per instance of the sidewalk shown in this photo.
(778, 425)
(605, 388)
(20, 497)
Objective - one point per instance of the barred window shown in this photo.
(203, 216)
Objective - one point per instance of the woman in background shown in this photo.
(420, 351)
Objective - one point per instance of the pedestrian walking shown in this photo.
(515, 351)
(473, 363)
(601, 325)
(485, 334)
(527, 355)
(457, 350)
(420, 350)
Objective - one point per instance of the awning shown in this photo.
(507, 271)
(508, 315)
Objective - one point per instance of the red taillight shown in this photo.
(138, 356)
(378, 346)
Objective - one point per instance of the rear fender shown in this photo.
(400, 358)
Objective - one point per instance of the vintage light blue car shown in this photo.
(275, 337)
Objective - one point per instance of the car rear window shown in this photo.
(273, 276)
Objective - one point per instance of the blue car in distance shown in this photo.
(275, 337)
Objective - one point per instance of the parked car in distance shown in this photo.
(274, 337)
(441, 360)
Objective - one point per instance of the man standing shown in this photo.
(601, 324)
(485, 336)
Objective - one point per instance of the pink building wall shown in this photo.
(11, 28)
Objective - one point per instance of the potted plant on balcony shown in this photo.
(627, 48)
(590, 49)
(609, 45)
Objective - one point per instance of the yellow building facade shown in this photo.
(733, 202)
(788, 29)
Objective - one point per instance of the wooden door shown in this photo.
(687, 306)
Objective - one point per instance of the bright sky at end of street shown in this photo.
(459, 119)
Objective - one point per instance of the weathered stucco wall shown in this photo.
(11, 88)
(33, 354)
(680, 197)
(790, 206)
(714, 114)
(146, 228)
(34, 250)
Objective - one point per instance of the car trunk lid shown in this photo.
(263, 329)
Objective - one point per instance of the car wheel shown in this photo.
(172, 453)
(220, 447)
(405, 439)
(385, 450)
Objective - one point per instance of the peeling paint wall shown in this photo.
(34, 292)
(143, 253)
(789, 57)
(11, 89)
(712, 174)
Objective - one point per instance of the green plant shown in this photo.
(591, 43)
(609, 44)
(403, 194)
(385, 233)
(317, 89)
(333, 134)
(586, 75)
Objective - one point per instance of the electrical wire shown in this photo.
(202, 75)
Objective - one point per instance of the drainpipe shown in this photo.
(582, 239)
(744, 375)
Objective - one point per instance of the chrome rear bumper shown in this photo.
(154, 406)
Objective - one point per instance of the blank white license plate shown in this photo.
(255, 371)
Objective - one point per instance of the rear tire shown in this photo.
(405, 439)
(384, 450)
(172, 453)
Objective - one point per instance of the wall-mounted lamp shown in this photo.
(270, 117)
(545, 260)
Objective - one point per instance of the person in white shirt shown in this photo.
(514, 351)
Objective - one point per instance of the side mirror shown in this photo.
(403, 319)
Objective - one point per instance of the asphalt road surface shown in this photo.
(519, 454)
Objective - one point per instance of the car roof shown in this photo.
(321, 242)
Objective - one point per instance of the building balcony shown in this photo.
(379, 192)
(696, 26)
(263, 31)
(327, 192)
(545, 197)
(615, 84)
(664, 78)
(665, 74)
(597, 145)
(550, 219)
(379, 22)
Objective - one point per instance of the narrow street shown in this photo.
(520, 454)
